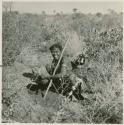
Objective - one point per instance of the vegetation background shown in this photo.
(26, 40)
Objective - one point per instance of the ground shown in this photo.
(27, 38)
(21, 105)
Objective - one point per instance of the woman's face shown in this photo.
(56, 53)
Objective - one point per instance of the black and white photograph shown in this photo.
(62, 62)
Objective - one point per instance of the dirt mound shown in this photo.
(21, 105)
(28, 107)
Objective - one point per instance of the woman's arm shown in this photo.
(59, 75)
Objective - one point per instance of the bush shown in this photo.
(98, 36)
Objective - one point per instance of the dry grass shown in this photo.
(30, 37)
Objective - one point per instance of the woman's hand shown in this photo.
(58, 76)
(45, 81)
(48, 77)
(35, 71)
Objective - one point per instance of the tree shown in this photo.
(43, 12)
(112, 12)
(54, 11)
(98, 14)
(75, 10)
(7, 6)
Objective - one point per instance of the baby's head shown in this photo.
(78, 61)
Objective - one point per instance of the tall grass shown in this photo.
(100, 39)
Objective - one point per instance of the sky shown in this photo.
(66, 7)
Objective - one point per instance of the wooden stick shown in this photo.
(55, 69)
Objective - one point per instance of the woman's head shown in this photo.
(56, 51)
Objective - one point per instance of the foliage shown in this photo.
(100, 38)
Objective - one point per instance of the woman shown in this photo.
(63, 82)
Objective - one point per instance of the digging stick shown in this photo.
(56, 69)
